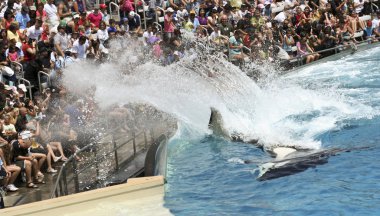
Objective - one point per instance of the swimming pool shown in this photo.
(334, 104)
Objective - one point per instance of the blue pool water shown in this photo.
(329, 105)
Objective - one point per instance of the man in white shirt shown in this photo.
(52, 13)
(80, 48)
(34, 32)
(61, 41)
(359, 6)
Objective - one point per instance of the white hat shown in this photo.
(170, 10)
(25, 134)
(267, 3)
(76, 16)
(19, 45)
(22, 87)
(132, 13)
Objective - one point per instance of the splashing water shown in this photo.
(283, 111)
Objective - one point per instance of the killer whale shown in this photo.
(286, 160)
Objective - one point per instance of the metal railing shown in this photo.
(27, 85)
(336, 49)
(142, 10)
(18, 69)
(160, 19)
(41, 85)
(61, 186)
(114, 15)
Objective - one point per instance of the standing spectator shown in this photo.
(34, 32)
(95, 17)
(52, 13)
(61, 41)
(23, 17)
(168, 24)
(80, 48)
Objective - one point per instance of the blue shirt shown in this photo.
(22, 20)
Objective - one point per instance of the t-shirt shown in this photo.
(22, 20)
(134, 23)
(95, 18)
(51, 12)
(11, 35)
(102, 35)
(18, 150)
(80, 49)
(34, 33)
(62, 41)
(8, 128)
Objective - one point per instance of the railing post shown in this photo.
(134, 143)
(116, 156)
(76, 179)
(96, 161)
(66, 192)
(145, 140)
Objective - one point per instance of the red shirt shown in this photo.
(27, 56)
(95, 18)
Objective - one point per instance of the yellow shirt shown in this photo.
(13, 36)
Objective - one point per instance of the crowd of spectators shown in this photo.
(45, 36)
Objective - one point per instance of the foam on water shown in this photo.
(282, 111)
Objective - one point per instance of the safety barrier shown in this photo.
(142, 9)
(65, 185)
(27, 85)
(114, 14)
(42, 85)
(160, 19)
(18, 69)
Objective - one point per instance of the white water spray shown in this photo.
(279, 113)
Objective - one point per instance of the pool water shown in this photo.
(339, 108)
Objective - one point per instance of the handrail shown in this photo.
(162, 18)
(112, 15)
(159, 25)
(39, 79)
(21, 70)
(28, 86)
(143, 12)
(97, 159)
(336, 48)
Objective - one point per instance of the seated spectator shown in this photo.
(304, 50)
(235, 46)
(64, 11)
(23, 17)
(9, 171)
(225, 27)
(27, 161)
(41, 13)
(13, 32)
(102, 33)
(9, 132)
(134, 23)
(7, 20)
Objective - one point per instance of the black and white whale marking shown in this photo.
(287, 160)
